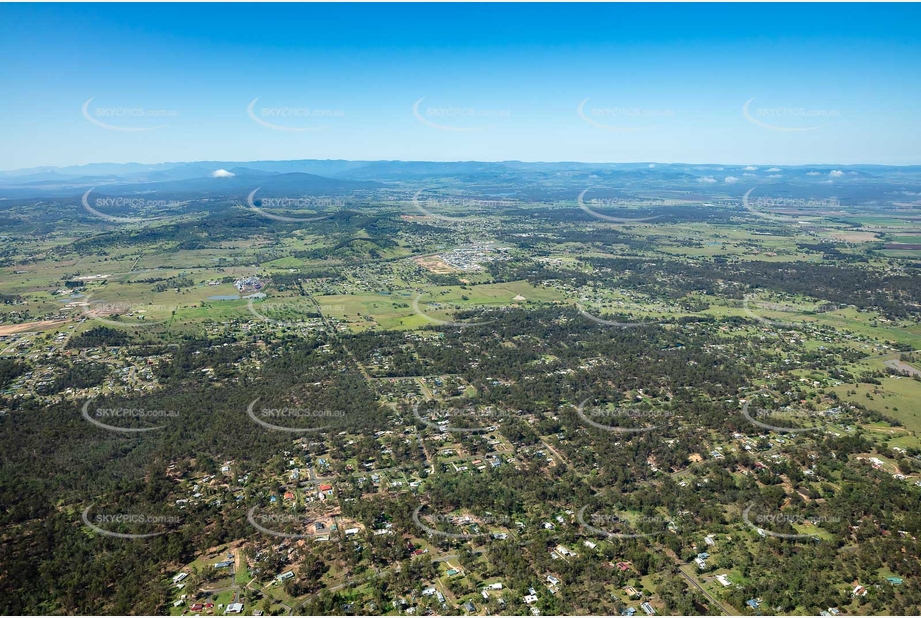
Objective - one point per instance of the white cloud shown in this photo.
(652, 165)
(222, 174)
(836, 173)
(825, 182)
(709, 180)
(774, 169)
(750, 168)
(731, 180)
(749, 174)
(812, 173)
(775, 176)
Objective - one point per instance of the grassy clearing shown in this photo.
(899, 398)
(396, 311)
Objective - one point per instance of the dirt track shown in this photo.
(10, 329)
(902, 367)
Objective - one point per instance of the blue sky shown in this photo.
(830, 83)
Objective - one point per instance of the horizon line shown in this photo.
(498, 161)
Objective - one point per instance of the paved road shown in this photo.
(710, 597)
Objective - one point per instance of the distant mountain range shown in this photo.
(331, 177)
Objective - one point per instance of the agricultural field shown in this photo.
(480, 409)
